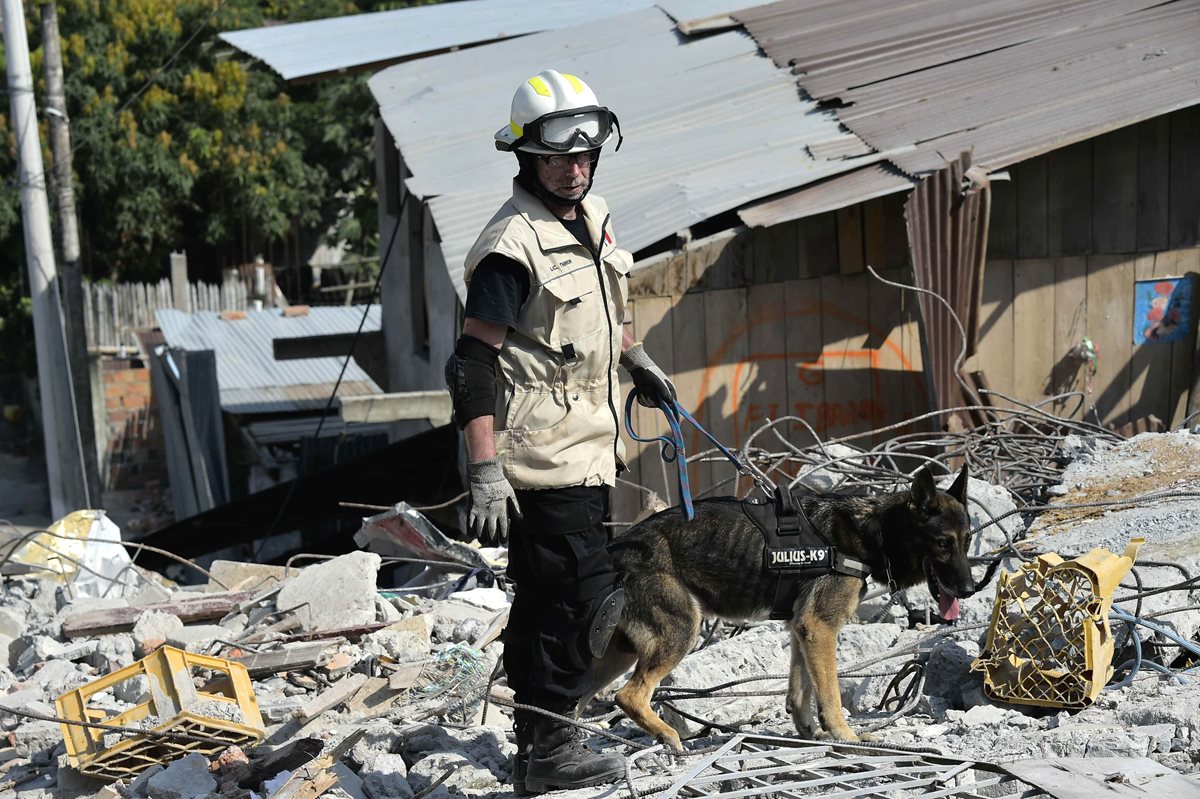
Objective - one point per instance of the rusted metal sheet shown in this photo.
(947, 219)
(1010, 79)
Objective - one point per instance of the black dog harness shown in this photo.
(793, 550)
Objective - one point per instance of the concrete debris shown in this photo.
(378, 694)
(336, 593)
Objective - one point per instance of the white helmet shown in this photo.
(554, 113)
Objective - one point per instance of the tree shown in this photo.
(182, 142)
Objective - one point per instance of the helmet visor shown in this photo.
(563, 131)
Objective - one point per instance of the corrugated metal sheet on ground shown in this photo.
(710, 125)
(249, 378)
(1011, 79)
(323, 46)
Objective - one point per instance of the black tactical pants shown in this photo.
(557, 558)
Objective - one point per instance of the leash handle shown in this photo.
(673, 449)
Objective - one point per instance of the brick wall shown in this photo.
(135, 453)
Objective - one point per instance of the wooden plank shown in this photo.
(1177, 263)
(1110, 326)
(1030, 179)
(850, 239)
(845, 357)
(765, 392)
(721, 263)
(333, 696)
(1070, 326)
(1069, 200)
(875, 234)
(1033, 345)
(776, 253)
(110, 620)
(1154, 181)
(652, 327)
(897, 388)
(689, 335)
(805, 377)
(290, 658)
(1002, 227)
(1184, 210)
(1115, 192)
(895, 232)
(1149, 365)
(726, 349)
(818, 242)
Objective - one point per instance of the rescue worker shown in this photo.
(535, 387)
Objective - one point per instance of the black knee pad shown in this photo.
(604, 620)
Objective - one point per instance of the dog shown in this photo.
(678, 573)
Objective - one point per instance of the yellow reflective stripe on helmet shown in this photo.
(515, 128)
(575, 82)
(539, 86)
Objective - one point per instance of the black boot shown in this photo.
(523, 722)
(559, 760)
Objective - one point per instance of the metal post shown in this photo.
(179, 281)
(66, 493)
(71, 274)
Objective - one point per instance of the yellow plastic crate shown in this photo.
(1049, 643)
(224, 709)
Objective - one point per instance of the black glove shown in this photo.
(653, 386)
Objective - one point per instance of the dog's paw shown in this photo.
(671, 741)
(867, 737)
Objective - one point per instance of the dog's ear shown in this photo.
(959, 489)
(924, 492)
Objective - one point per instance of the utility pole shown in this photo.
(71, 275)
(67, 491)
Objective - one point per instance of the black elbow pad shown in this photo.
(471, 379)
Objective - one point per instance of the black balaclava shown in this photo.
(527, 178)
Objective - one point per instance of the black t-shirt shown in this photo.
(500, 285)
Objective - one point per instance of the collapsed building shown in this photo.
(352, 687)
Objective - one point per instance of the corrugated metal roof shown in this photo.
(1009, 78)
(359, 41)
(249, 378)
(710, 125)
(694, 16)
(877, 180)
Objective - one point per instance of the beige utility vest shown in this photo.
(558, 398)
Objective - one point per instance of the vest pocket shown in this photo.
(576, 306)
(536, 410)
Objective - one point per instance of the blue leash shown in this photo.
(673, 449)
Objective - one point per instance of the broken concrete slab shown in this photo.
(153, 629)
(399, 645)
(385, 776)
(186, 778)
(197, 637)
(337, 593)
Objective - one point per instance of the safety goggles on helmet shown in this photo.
(562, 131)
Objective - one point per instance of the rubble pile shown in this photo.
(390, 693)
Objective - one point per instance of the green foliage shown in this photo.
(217, 156)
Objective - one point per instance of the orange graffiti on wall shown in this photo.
(812, 369)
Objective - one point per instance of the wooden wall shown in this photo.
(1133, 190)
(760, 324)
(1037, 310)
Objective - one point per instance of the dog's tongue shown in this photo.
(947, 606)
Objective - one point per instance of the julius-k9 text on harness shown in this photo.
(793, 550)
